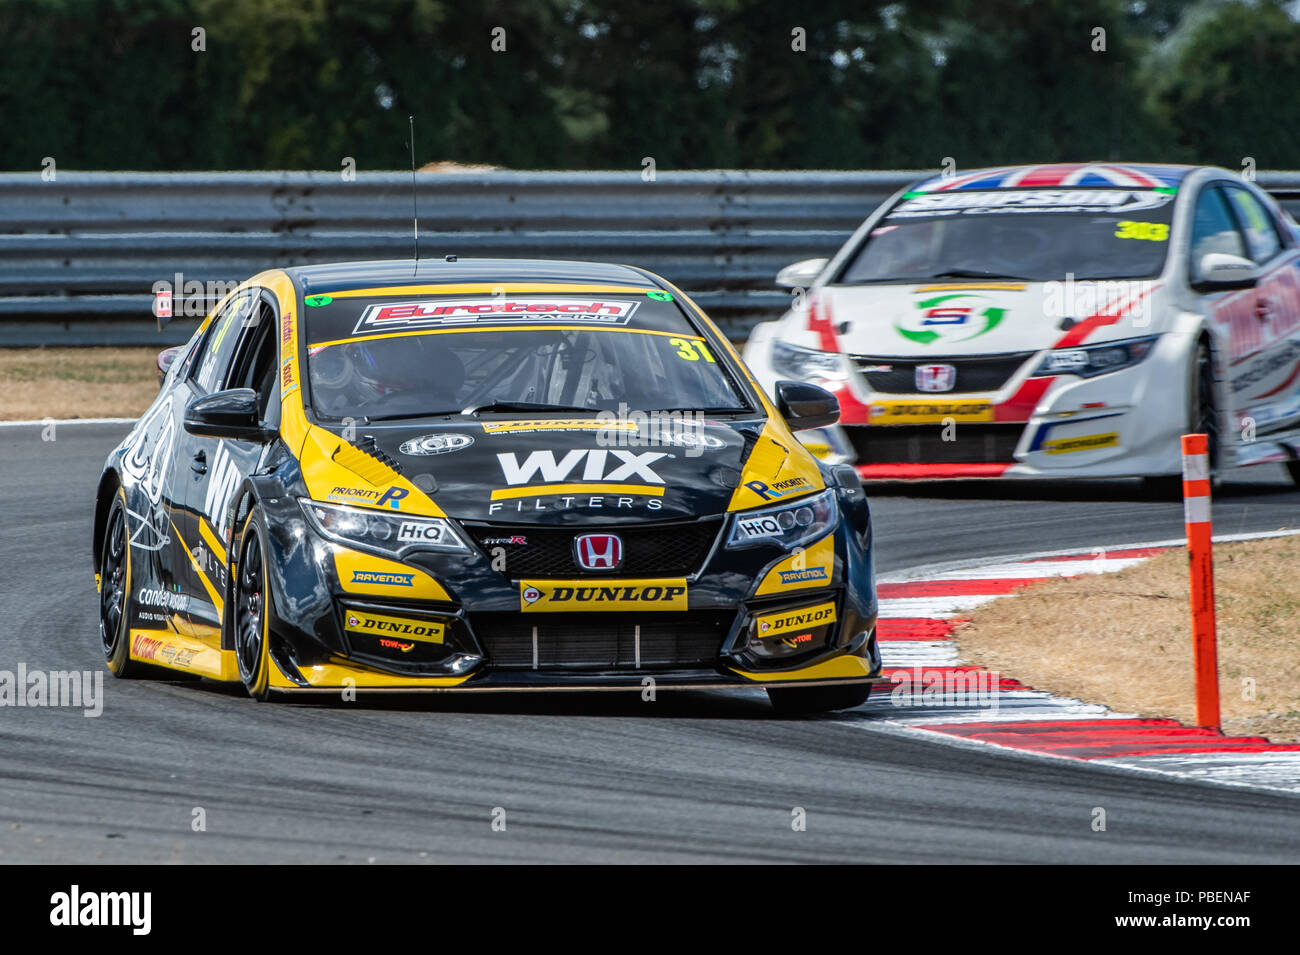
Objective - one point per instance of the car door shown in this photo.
(1266, 363)
(212, 469)
(153, 502)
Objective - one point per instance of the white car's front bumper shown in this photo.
(1120, 424)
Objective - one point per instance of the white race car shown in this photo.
(1056, 321)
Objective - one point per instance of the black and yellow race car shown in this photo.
(481, 475)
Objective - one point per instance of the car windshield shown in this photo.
(1030, 235)
(414, 358)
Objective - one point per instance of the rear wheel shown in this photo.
(115, 592)
(252, 610)
(796, 700)
(1293, 468)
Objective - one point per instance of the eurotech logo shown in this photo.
(598, 551)
(955, 317)
(935, 377)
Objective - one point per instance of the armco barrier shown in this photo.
(79, 256)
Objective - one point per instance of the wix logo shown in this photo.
(598, 465)
(222, 483)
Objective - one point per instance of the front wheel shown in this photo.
(115, 593)
(1293, 469)
(251, 615)
(798, 700)
(1202, 418)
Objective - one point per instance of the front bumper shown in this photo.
(1125, 423)
(470, 627)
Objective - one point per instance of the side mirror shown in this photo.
(226, 414)
(800, 274)
(1220, 271)
(805, 406)
(166, 358)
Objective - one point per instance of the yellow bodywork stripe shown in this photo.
(990, 286)
(332, 676)
(217, 600)
(837, 668)
(537, 490)
(189, 654)
(820, 555)
(465, 288)
(213, 541)
(572, 327)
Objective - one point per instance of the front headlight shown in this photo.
(804, 363)
(787, 525)
(393, 535)
(1089, 360)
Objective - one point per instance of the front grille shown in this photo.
(924, 444)
(653, 550)
(601, 641)
(985, 373)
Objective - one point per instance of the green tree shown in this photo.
(1224, 82)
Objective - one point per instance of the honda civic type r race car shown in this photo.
(481, 475)
(1068, 320)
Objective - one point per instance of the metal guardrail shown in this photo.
(79, 256)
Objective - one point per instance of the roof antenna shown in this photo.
(415, 215)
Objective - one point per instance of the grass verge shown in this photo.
(76, 382)
(1124, 639)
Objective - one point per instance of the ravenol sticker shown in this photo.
(784, 621)
(510, 310)
(382, 577)
(553, 596)
(1089, 442)
(802, 576)
(376, 624)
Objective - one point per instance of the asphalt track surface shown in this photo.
(700, 777)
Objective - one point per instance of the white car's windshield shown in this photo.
(1088, 233)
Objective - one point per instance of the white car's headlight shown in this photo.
(787, 525)
(804, 363)
(391, 534)
(1088, 360)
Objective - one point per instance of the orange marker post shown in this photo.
(1200, 554)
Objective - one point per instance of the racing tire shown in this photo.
(1293, 469)
(251, 610)
(1202, 418)
(115, 594)
(803, 700)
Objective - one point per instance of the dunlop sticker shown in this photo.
(382, 625)
(551, 596)
(785, 621)
(1089, 442)
(930, 412)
